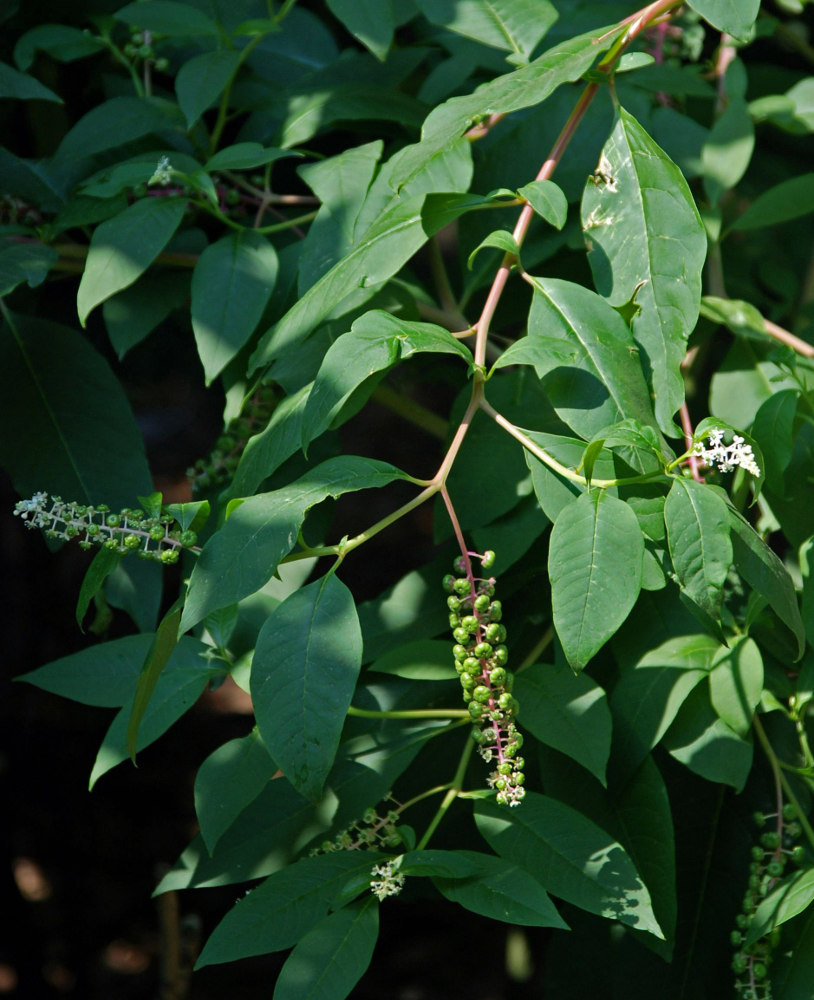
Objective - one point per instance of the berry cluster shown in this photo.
(372, 831)
(769, 858)
(140, 49)
(216, 470)
(480, 660)
(127, 531)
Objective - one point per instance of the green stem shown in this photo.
(777, 770)
(454, 788)
(223, 109)
(417, 414)
(541, 646)
(412, 713)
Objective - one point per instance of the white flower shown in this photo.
(389, 883)
(726, 457)
(163, 172)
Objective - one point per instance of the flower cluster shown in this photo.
(216, 470)
(371, 831)
(163, 173)
(390, 881)
(480, 660)
(127, 531)
(726, 457)
(751, 962)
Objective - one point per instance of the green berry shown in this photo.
(448, 583)
(162, 64)
(483, 650)
(482, 693)
(454, 603)
(757, 853)
(789, 812)
(475, 711)
(504, 767)
(454, 620)
(482, 603)
(496, 633)
(770, 840)
(461, 586)
(798, 854)
(472, 665)
(496, 611)
(735, 938)
(775, 868)
(187, 538)
(501, 656)
(488, 559)
(232, 197)
(459, 652)
(759, 970)
(460, 635)
(470, 623)
(156, 532)
(132, 541)
(169, 556)
(113, 520)
(742, 921)
(793, 830)
(497, 677)
(758, 818)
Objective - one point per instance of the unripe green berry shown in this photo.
(770, 840)
(454, 603)
(501, 784)
(470, 623)
(759, 970)
(187, 538)
(798, 854)
(130, 50)
(460, 635)
(496, 633)
(519, 763)
(507, 702)
(497, 677)
(472, 665)
(793, 830)
(461, 586)
(145, 51)
(113, 520)
(489, 735)
(460, 652)
(482, 693)
(519, 778)
(162, 64)
(739, 964)
(482, 603)
(169, 556)
(459, 565)
(754, 881)
(789, 812)
(501, 656)
(232, 197)
(132, 541)
(742, 921)
(504, 767)
(448, 583)
(454, 619)
(475, 711)
(758, 818)
(156, 532)
(495, 611)
(735, 938)
(488, 559)
(775, 868)
(483, 650)
(757, 853)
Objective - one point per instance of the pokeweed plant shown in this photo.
(318, 194)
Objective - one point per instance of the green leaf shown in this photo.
(58, 436)
(515, 26)
(304, 673)
(375, 343)
(706, 744)
(728, 149)
(60, 42)
(736, 683)
(24, 262)
(176, 20)
(332, 957)
(500, 890)
(697, 521)
(570, 856)
(647, 241)
(245, 156)
(735, 17)
(548, 201)
(164, 643)
(231, 285)
(526, 87)
(135, 586)
(787, 898)
(792, 973)
(122, 249)
(104, 675)
(104, 563)
(422, 660)
(766, 574)
(245, 552)
(134, 313)
(605, 385)
(742, 318)
(568, 713)
(773, 429)
(228, 780)
(116, 122)
(787, 200)
(501, 239)
(202, 79)
(284, 908)
(595, 566)
(369, 21)
(21, 87)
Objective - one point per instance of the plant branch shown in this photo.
(777, 771)
(412, 713)
(455, 787)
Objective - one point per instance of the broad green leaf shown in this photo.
(202, 79)
(735, 684)
(742, 318)
(375, 343)
(245, 156)
(548, 201)
(792, 111)
(104, 563)
(501, 240)
(500, 890)
(553, 491)
(60, 42)
(243, 555)
(570, 856)
(728, 149)
(104, 675)
(231, 286)
(544, 353)
(134, 313)
(705, 743)
(605, 384)
(793, 972)
(595, 566)
(178, 688)
(788, 897)
(34, 180)
(369, 21)
(523, 88)
(697, 521)
(116, 122)
(122, 249)
(735, 17)
(515, 26)
(58, 435)
(304, 673)
(19, 86)
(161, 650)
(568, 713)
(787, 200)
(329, 960)
(647, 243)
(766, 574)
(773, 429)
(228, 780)
(135, 586)
(284, 908)
(422, 660)
(174, 19)
(24, 262)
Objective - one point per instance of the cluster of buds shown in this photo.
(769, 859)
(480, 660)
(216, 470)
(158, 538)
(372, 831)
(726, 457)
